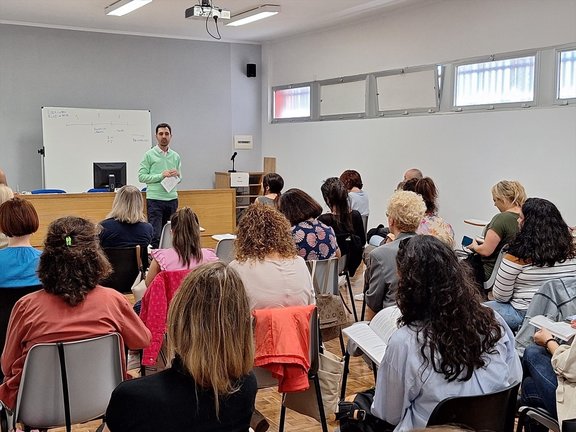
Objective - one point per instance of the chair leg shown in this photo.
(320, 404)
(344, 303)
(345, 375)
(342, 346)
(351, 296)
(282, 416)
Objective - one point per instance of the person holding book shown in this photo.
(541, 251)
(447, 344)
(550, 376)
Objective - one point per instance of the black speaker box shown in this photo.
(250, 70)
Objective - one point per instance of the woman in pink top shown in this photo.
(185, 252)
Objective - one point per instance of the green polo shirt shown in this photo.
(155, 162)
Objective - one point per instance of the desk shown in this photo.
(215, 209)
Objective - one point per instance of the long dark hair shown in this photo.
(186, 235)
(544, 238)
(298, 206)
(72, 262)
(336, 197)
(439, 301)
(426, 188)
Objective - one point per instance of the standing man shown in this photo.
(160, 170)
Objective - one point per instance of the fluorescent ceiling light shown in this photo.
(255, 14)
(123, 7)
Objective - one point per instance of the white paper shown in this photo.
(169, 183)
(219, 237)
(561, 330)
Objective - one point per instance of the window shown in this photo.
(343, 98)
(291, 103)
(495, 82)
(407, 90)
(567, 75)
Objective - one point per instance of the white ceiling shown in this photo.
(166, 17)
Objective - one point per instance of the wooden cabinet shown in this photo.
(245, 195)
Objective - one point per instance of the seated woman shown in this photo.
(347, 224)
(508, 196)
(186, 252)
(542, 250)
(314, 240)
(550, 376)
(431, 224)
(19, 261)
(5, 194)
(448, 344)
(210, 386)
(272, 184)
(126, 224)
(357, 198)
(266, 259)
(72, 305)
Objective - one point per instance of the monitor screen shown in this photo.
(103, 172)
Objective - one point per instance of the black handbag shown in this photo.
(356, 417)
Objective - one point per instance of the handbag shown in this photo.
(330, 371)
(356, 417)
(6, 418)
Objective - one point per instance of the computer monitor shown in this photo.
(110, 175)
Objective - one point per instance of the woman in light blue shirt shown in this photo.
(448, 344)
(19, 261)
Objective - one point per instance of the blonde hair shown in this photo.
(263, 231)
(128, 205)
(407, 209)
(186, 235)
(5, 193)
(209, 328)
(511, 191)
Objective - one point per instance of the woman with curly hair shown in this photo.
(314, 240)
(447, 344)
(266, 259)
(72, 305)
(542, 250)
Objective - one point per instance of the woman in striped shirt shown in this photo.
(542, 250)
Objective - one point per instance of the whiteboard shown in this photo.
(75, 138)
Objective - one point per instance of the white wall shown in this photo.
(465, 153)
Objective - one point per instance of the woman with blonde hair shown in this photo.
(210, 385)
(267, 261)
(186, 251)
(126, 224)
(508, 197)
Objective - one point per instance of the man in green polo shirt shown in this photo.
(160, 170)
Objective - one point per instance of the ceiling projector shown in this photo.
(207, 11)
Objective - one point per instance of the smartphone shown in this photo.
(466, 241)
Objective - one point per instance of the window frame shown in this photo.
(496, 105)
(309, 84)
(557, 99)
(343, 80)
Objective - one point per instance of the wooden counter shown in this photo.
(215, 209)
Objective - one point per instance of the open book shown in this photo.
(372, 338)
(561, 330)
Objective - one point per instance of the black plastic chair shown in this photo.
(127, 264)
(490, 412)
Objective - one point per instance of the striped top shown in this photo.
(517, 281)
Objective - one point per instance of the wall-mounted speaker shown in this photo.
(250, 70)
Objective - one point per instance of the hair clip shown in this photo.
(68, 241)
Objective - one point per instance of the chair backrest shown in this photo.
(93, 369)
(166, 236)
(490, 412)
(126, 266)
(47, 191)
(8, 298)
(225, 250)
(490, 282)
(365, 222)
(324, 275)
(94, 190)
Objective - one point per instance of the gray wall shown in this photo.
(200, 88)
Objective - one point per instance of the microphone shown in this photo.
(233, 156)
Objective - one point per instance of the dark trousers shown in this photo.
(160, 212)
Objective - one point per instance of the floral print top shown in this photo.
(435, 226)
(314, 240)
